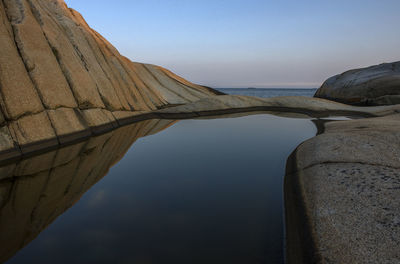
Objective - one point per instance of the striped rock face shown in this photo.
(60, 77)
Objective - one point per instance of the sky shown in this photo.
(250, 43)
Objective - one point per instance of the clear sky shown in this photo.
(250, 43)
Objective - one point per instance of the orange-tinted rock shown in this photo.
(33, 132)
(38, 57)
(18, 94)
(68, 124)
(58, 72)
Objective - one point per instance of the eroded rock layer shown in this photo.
(59, 78)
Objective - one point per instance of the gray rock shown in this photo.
(375, 85)
(342, 194)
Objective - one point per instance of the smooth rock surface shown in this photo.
(342, 193)
(314, 107)
(375, 85)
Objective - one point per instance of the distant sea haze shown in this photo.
(270, 92)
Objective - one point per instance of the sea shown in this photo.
(269, 92)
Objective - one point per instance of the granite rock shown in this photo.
(342, 194)
(375, 85)
(54, 66)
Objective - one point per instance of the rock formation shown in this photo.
(375, 85)
(285, 105)
(342, 192)
(60, 79)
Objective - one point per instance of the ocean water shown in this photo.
(266, 93)
(199, 191)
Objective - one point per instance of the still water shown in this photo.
(269, 92)
(199, 191)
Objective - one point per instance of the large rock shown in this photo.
(342, 194)
(375, 85)
(55, 68)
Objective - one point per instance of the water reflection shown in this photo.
(202, 191)
(35, 191)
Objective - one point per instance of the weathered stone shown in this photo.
(38, 57)
(151, 99)
(34, 132)
(82, 85)
(52, 60)
(375, 85)
(342, 194)
(8, 148)
(204, 89)
(68, 124)
(127, 117)
(183, 91)
(18, 95)
(82, 46)
(148, 98)
(315, 107)
(153, 84)
(98, 120)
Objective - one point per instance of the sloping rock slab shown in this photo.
(314, 107)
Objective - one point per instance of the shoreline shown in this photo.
(208, 107)
(337, 144)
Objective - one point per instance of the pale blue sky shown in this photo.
(250, 43)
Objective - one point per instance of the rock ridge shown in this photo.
(59, 77)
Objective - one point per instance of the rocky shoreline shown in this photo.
(342, 191)
(341, 187)
(62, 83)
(38, 138)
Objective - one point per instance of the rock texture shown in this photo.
(60, 79)
(342, 192)
(35, 191)
(51, 128)
(294, 105)
(375, 85)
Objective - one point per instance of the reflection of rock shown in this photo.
(342, 194)
(60, 80)
(375, 85)
(35, 191)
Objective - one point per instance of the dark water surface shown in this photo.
(201, 191)
(269, 92)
